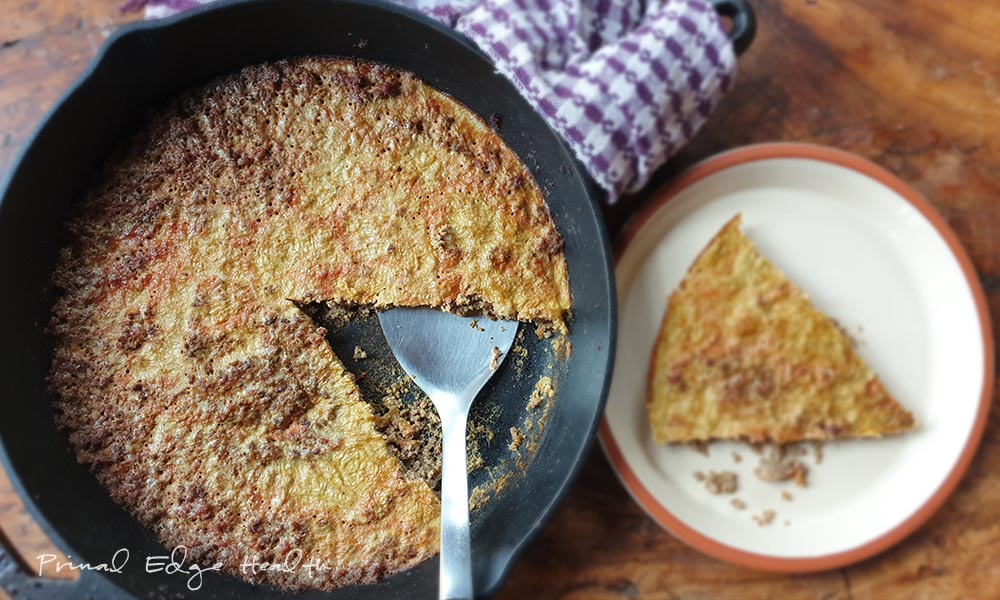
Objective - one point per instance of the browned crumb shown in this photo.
(562, 348)
(495, 361)
(335, 315)
(482, 493)
(412, 431)
(700, 447)
(765, 518)
(737, 458)
(737, 504)
(475, 325)
(787, 523)
(787, 497)
(359, 354)
(516, 437)
(481, 431)
(474, 462)
(817, 447)
(545, 330)
(543, 391)
(800, 475)
(723, 482)
(699, 476)
(478, 498)
(776, 465)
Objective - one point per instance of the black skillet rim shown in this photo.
(592, 201)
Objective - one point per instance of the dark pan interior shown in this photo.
(149, 61)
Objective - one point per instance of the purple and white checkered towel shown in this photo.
(625, 82)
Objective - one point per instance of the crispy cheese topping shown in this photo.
(203, 399)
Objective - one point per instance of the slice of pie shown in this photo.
(743, 354)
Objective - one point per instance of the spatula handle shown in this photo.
(456, 555)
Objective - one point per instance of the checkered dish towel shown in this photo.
(625, 82)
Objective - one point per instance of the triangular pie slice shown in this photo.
(743, 354)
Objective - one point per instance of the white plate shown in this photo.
(879, 260)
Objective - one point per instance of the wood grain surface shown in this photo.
(913, 85)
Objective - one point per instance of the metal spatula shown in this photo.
(450, 358)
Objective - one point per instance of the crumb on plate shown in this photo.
(765, 518)
(817, 447)
(722, 482)
(777, 464)
(700, 447)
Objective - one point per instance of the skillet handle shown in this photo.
(743, 19)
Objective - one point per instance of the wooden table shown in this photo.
(913, 85)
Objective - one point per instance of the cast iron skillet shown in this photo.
(147, 62)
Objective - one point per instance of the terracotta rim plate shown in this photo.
(878, 258)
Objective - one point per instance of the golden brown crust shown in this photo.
(203, 399)
(743, 354)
